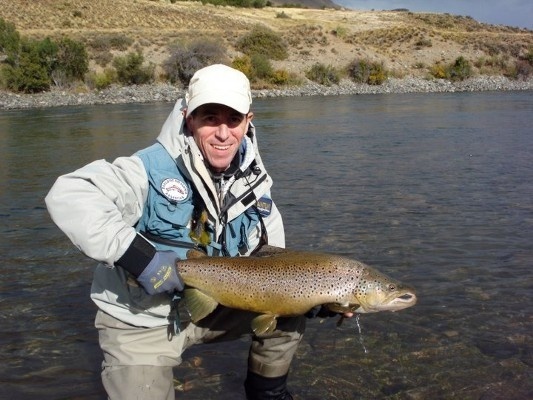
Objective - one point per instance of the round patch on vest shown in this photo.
(174, 189)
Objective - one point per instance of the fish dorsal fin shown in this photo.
(264, 323)
(268, 251)
(193, 253)
(199, 304)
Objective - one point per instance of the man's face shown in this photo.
(218, 131)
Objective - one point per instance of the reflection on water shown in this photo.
(434, 190)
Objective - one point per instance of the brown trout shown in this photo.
(278, 282)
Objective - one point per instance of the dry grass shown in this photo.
(408, 43)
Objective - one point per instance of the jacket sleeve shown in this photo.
(98, 205)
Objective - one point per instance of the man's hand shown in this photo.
(325, 312)
(161, 274)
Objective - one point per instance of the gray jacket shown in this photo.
(98, 205)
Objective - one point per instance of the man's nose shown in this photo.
(223, 131)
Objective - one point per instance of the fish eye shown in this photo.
(392, 287)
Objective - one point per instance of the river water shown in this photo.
(433, 189)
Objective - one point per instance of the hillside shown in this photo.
(407, 43)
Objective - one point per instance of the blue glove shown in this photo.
(161, 274)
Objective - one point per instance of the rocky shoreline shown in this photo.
(169, 93)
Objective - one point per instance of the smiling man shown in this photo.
(201, 185)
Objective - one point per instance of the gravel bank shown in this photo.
(169, 93)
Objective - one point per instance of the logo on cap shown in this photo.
(174, 189)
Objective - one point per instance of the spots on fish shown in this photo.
(294, 279)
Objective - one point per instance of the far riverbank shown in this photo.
(169, 93)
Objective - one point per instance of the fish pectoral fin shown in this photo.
(264, 323)
(199, 304)
(342, 308)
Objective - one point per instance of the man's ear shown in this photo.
(188, 122)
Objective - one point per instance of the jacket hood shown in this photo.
(172, 135)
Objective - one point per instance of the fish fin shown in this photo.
(342, 308)
(199, 304)
(269, 251)
(193, 253)
(264, 323)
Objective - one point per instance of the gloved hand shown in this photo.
(161, 274)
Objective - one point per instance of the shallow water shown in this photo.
(433, 189)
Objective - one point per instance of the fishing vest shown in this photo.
(173, 208)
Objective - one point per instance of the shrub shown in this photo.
(261, 67)
(185, 60)
(30, 71)
(102, 80)
(281, 77)
(325, 75)
(72, 60)
(130, 69)
(282, 14)
(459, 70)
(263, 41)
(109, 41)
(9, 40)
(438, 71)
(369, 72)
(243, 64)
(522, 69)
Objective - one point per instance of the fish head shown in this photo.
(377, 292)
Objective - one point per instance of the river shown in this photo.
(435, 190)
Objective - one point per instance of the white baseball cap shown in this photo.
(219, 84)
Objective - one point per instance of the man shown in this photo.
(201, 185)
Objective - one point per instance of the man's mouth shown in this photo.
(222, 148)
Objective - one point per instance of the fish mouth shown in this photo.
(401, 302)
(398, 303)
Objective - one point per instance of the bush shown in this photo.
(30, 71)
(72, 60)
(325, 75)
(459, 70)
(130, 69)
(261, 67)
(369, 72)
(281, 77)
(9, 40)
(263, 41)
(102, 80)
(243, 64)
(115, 41)
(185, 60)
(522, 69)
